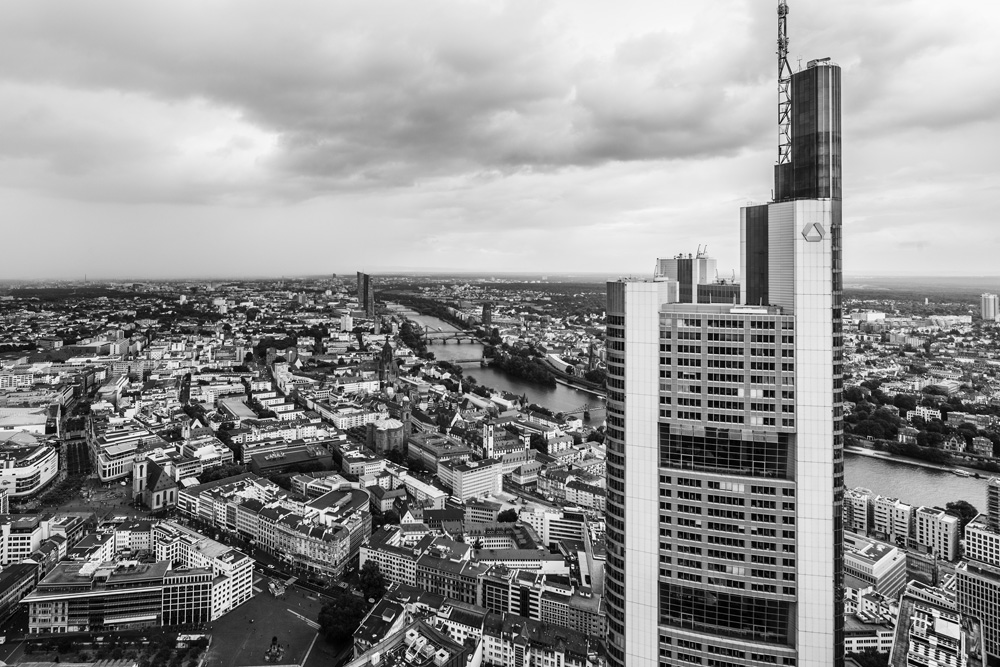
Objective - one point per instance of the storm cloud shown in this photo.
(476, 134)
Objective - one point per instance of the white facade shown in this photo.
(642, 530)
(24, 474)
(937, 532)
(989, 307)
(892, 519)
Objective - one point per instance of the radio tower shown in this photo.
(784, 88)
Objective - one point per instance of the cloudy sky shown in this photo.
(214, 138)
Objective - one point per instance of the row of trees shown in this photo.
(871, 419)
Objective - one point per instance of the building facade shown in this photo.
(989, 307)
(725, 462)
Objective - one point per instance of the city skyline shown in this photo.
(176, 140)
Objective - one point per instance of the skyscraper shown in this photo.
(989, 307)
(725, 462)
(366, 294)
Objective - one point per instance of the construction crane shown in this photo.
(784, 88)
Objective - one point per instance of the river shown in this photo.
(558, 399)
(911, 484)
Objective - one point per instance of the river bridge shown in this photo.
(444, 337)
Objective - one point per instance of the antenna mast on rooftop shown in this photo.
(784, 87)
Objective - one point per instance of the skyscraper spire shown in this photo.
(784, 88)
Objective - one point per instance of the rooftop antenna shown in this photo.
(784, 88)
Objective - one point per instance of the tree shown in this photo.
(539, 443)
(340, 618)
(507, 516)
(390, 517)
(905, 402)
(964, 510)
(371, 581)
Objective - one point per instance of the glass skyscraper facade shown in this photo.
(725, 442)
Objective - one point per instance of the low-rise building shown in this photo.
(232, 570)
(93, 596)
(471, 479)
(872, 564)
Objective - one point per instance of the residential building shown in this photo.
(937, 532)
(858, 510)
(892, 520)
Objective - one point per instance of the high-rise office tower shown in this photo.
(989, 307)
(366, 294)
(689, 271)
(725, 445)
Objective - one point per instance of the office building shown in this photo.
(993, 503)
(724, 449)
(231, 570)
(366, 294)
(471, 479)
(690, 272)
(977, 580)
(989, 307)
(28, 464)
(929, 634)
(875, 565)
(94, 596)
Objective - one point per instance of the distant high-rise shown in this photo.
(724, 437)
(689, 271)
(366, 294)
(487, 316)
(989, 307)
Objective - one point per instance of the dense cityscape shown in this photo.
(226, 445)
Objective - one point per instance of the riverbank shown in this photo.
(580, 387)
(907, 461)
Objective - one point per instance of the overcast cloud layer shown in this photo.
(171, 139)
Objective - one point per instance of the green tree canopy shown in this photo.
(963, 509)
(507, 516)
(340, 618)
(371, 581)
